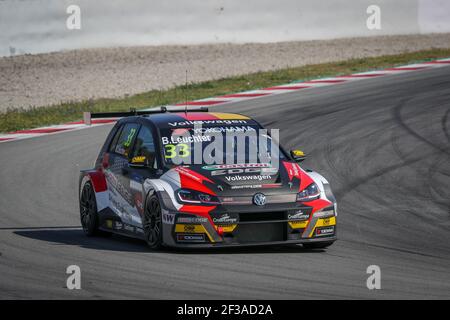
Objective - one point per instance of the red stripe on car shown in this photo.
(98, 180)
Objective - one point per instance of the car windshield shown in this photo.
(219, 145)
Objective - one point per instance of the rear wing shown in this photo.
(88, 116)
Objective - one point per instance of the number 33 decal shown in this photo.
(172, 150)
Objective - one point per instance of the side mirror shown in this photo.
(298, 155)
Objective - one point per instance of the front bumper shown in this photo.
(253, 244)
(248, 229)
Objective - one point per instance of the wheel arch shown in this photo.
(98, 180)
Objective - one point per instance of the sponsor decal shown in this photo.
(230, 129)
(226, 219)
(257, 186)
(138, 159)
(324, 231)
(298, 224)
(115, 184)
(248, 178)
(196, 229)
(185, 139)
(263, 171)
(249, 186)
(119, 226)
(189, 228)
(299, 215)
(120, 207)
(168, 218)
(226, 228)
(192, 219)
(202, 122)
(236, 166)
(190, 237)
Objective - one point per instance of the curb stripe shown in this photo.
(362, 75)
(201, 103)
(405, 68)
(244, 95)
(325, 81)
(287, 88)
(229, 98)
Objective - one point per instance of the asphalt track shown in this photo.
(384, 145)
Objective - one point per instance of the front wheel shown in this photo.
(317, 245)
(152, 223)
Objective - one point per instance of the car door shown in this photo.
(143, 165)
(120, 198)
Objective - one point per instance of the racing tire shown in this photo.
(88, 210)
(151, 223)
(317, 245)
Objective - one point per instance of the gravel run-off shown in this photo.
(45, 79)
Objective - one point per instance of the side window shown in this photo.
(113, 144)
(145, 146)
(125, 141)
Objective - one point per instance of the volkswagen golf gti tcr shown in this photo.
(155, 179)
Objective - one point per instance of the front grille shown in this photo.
(260, 232)
(262, 216)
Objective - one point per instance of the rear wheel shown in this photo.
(152, 223)
(317, 245)
(88, 210)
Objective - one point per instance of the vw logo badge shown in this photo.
(259, 199)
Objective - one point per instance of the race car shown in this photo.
(148, 183)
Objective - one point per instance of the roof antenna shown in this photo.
(185, 92)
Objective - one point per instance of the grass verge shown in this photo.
(16, 119)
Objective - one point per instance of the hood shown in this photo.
(244, 179)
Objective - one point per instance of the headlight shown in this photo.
(195, 197)
(311, 192)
